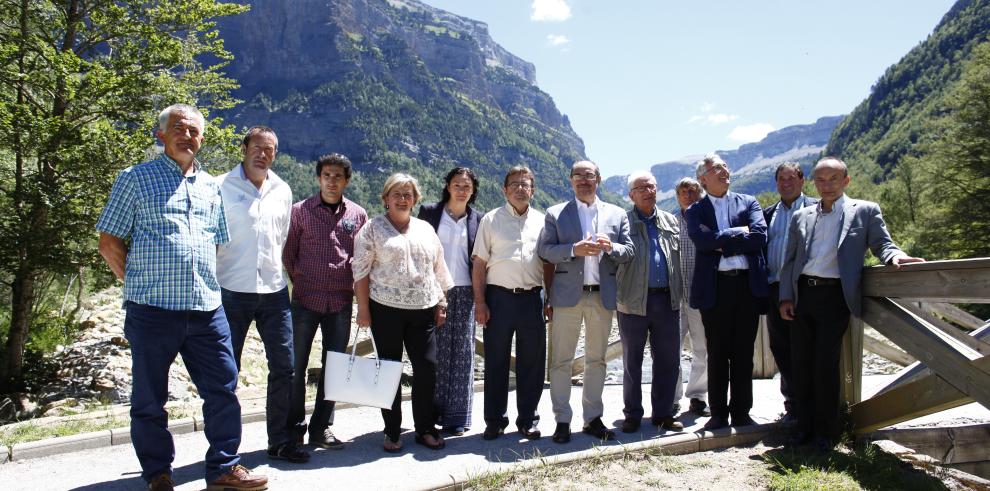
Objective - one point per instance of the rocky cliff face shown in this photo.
(751, 163)
(395, 85)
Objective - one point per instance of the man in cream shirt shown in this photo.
(253, 287)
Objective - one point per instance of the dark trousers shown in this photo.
(393, 328)
(203, 338)
(730, 331)
(519, 314)
(821, 320)
(271, 315)
(780, 345)
(661, 325)
(335, 328)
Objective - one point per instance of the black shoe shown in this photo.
(742, 420)
(326, 440)
(699, 407)
(668, 423)
(161, 482)
(631, 424)
(530, 432)
(598, 430)
(716, 423)
(798, 439)
(493, 432)
(288, 452)
(562, 434)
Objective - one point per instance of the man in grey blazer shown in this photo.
(820, 288)
(585, 239)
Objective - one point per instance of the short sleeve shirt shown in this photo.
(175, 223)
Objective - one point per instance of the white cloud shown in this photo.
(557, 39)
(713, 119)
(750, 133)
(550, 11)
(707, 107)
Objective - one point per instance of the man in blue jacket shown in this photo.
(730, 288)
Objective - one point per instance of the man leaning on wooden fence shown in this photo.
(823, 266)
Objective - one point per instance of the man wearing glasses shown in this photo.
(730, 288)
(585, 239)
(507, 277)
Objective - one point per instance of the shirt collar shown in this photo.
(798, 203)
(839, 203)
(197, 167)
(512, 211)
(582, 205)
(644, 218)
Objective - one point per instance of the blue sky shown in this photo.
(644, 81)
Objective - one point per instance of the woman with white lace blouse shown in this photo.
(400, 281)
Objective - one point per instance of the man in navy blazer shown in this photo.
(820, 288)
(790, 181)
(729, 288)
(585, 239)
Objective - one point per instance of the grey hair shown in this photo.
(710, 158)
(842, 165)
(180, 109)
(639, 175)
(687, 182)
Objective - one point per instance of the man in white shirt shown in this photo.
(585, 239)
(253, 287)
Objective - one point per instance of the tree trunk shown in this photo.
(22, 293)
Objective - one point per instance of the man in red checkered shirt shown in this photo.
(317, 256)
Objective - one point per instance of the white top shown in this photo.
(258, 222)
(506, 241)
(823, 258)
(589, 226)
(405, 271)
(454, 237)
(721, 206)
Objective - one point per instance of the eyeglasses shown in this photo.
(717, 168)
(402, 196)
(520, 185)
(645, 187)
(587, 176)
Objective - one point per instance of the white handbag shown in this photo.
(360, 380)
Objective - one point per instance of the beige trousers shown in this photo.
(564, 334)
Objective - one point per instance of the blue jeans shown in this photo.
(271, 314)
(203, 338)
(336, 329)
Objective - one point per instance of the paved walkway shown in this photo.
(361, 464)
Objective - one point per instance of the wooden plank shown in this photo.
(955, 314)
(888, 352)
(851, 362)
(964, 338)
(950, 360)
(962, 281)
(926, 395)
(918, 370)
(948, 444)
(613, 351)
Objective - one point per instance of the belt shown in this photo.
(658, 290)
(517, 291)
(733, 272)
(816, 281)
(591, 288)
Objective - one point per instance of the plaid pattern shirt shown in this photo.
(318, 253)
(175, 223)
(688, 253)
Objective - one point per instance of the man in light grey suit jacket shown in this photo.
(820, 287)
(585, 239)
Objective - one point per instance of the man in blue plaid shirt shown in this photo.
(171, 210)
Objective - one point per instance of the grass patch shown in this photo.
(861, 467)
(31, 432)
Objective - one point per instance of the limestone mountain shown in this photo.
(396, 85)
(752, 164)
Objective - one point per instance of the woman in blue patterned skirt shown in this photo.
(456, 224)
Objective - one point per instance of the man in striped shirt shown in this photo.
(172, 211)
(790, 180)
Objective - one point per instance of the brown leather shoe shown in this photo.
(239, 478)
(161, 482)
